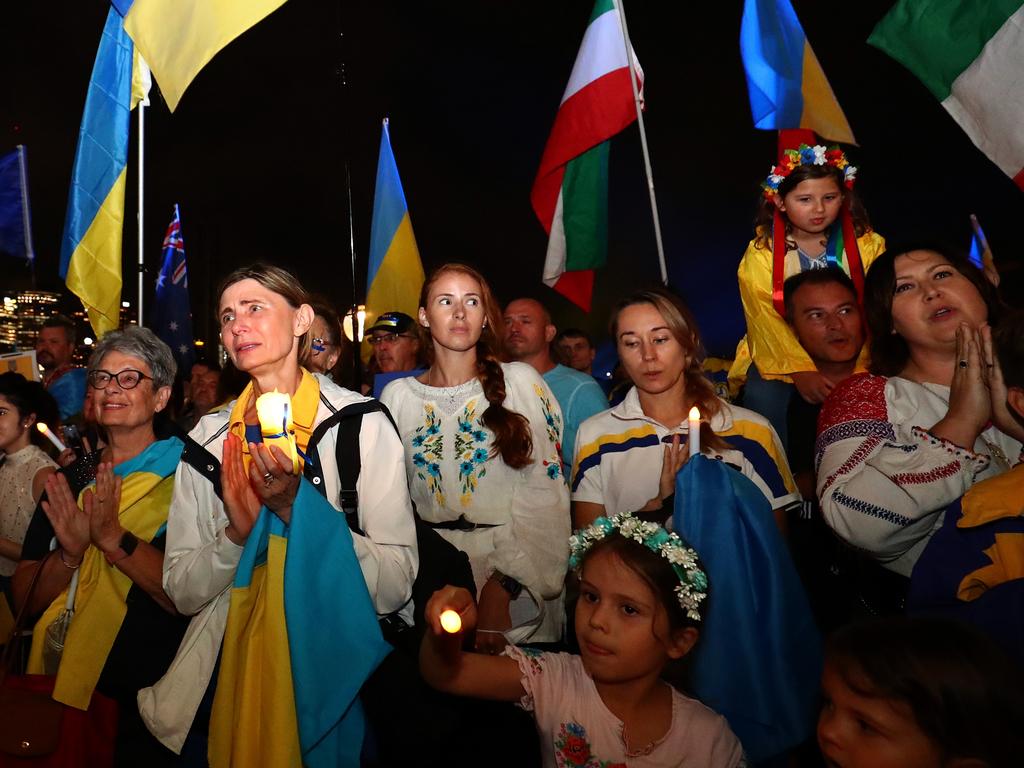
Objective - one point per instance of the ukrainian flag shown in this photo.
(786, 84)
(178, 37)
(90, 254)
(395, 274)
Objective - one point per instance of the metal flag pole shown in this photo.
(141, 261)
(643, 142)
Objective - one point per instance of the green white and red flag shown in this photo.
(970, 55)
(570, 193)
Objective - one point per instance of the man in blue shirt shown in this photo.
(528, 335)
(54, 350)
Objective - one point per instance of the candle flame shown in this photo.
(694, 414)
(41, 426)
(451, 622)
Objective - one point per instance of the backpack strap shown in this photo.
(349, 421)
(202, 461)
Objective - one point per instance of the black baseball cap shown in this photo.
(393, 322)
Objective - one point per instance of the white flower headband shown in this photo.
(693, 582)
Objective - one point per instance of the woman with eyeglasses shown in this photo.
(329, 351)
(111, 537)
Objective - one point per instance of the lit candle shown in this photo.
(53, 438)
(694, 428)
(274, 410)
(451, 622)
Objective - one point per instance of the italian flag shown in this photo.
(570, 194)
(970, 54)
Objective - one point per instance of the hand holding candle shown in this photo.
(694, 431)
(451, 622)
(42, 427)
(274, 410)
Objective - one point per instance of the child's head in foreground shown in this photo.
(920, 692)
(642, 597)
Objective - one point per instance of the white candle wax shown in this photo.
(694, 430)
(52, 437)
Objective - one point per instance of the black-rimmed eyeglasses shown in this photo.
(129, 378)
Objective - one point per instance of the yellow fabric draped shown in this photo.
(254, 721)
(995, 499)
(100, 601)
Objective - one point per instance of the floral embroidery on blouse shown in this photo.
(552, 421)
(429, 439)
(573, 749)
(470, 451)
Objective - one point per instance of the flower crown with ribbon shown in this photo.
(808, 155)
(693, 582)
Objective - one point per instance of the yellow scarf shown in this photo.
(147, 483)
(254, 721)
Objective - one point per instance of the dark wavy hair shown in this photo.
(889, 351)
(512, 437)
(683, 326)
(965, 693)
(30, 398)
(765, 215)
(1008, 339)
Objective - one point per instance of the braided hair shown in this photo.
(512, 437)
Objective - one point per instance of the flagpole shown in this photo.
(643, 143)
(141, 261)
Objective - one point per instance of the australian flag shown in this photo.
(171, 318)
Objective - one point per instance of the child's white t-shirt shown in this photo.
(578, 731)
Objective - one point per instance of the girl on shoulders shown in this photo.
(642, 594)
(482, 442)
(809, 217)
(627, 457)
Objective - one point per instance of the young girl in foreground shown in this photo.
(928, 693)
(641, 593)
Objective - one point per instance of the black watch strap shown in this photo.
(129, 541)
(509, 584)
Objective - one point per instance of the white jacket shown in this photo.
(200, 560)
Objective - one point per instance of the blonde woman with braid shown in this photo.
(482, 442)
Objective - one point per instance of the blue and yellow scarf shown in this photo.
(299, 597)
(146, 486)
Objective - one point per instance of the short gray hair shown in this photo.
(143, 344)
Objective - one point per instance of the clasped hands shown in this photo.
(95, 522)
(270, 482)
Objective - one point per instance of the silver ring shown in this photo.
(268, 479)
(962, 363)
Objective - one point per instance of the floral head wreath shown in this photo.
(808, 155)
(693, 582)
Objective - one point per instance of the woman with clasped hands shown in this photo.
(125, 629)
(223, 540)
(898, 445)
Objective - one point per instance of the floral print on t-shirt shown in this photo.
(572, 749)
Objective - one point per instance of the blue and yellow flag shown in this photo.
(301, 637)
(786, 84)
(178, 37)
(90, 254)
(395, 273)
(15, 216)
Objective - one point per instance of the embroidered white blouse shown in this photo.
(884, 481)
(452, 475)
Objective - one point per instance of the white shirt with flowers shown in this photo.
(523, 514)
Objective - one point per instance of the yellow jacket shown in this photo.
(773, 347)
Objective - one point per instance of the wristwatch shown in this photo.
(509, 584)
(125, 548)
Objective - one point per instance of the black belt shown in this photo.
(459, 524)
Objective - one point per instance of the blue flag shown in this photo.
(15, 221)
(171, 318)
(758, 662)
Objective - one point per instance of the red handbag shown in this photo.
(35, 730)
